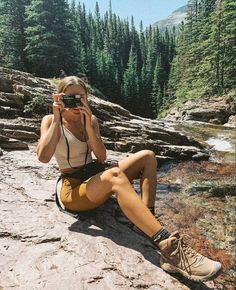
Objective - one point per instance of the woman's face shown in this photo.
(75, 90)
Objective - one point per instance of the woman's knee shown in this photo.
(116, 177)
(109, 174)
(148, 155)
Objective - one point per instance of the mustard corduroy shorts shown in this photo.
(73, 195)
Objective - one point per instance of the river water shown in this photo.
(207, 215)
(220, 140)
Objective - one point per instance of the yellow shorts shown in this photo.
(73, 195)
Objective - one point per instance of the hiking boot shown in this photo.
(178, 257)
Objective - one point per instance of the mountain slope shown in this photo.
(174, 19)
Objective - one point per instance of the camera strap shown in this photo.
(78, 215)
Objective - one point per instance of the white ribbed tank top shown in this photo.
(77, 151)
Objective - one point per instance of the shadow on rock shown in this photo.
(109, 222)
(191, 284)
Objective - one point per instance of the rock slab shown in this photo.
(42, 248)
(215, 110)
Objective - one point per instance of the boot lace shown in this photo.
(185, 252)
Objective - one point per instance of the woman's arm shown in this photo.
(92, 129)
(50, 134)
(50, 131)
(95, 140)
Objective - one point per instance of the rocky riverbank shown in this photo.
(121, 130)
(42, 248)
(199, 198)
(214, 110)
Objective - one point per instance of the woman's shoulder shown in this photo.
(94, 119)
(48, 119)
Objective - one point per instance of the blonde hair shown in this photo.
(69, 81)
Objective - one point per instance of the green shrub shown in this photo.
(55, 81)
(231, 96)
(94, 91)
(36, 106)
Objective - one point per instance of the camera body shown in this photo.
(73, 101)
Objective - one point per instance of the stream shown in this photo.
(221, 140)
(198, 198)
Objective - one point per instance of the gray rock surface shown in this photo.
(215, 110)
(42, 248)
(212, 188)
(121, 130)
(231, 121)
(174, 20)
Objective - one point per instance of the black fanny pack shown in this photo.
(87, 171)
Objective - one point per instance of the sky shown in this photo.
(149, 11)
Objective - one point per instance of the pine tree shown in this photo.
(158, 87)
(12, 38)
(98, 29)
(131, 82)
(205, 61)
(91, 57)
(50, 39)
(146, 76)
(117, 59)
(79, 65)
(224, 34)
(106, 74)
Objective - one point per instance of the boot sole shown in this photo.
(172, 269)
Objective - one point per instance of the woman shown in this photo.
(71, 133)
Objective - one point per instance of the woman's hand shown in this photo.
(58, 105)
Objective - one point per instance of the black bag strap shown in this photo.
(78, 215)
(73, 214)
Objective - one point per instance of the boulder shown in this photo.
(12, 77)
(12, 100)
(212, 188)
(29, 92)
(231, 122)
(3, 138)
(215, 110)
(20, 134)
(13, 144)
(5, 83)
(9, 112)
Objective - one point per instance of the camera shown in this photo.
(72, 101)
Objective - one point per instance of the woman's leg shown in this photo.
(177, 256)
(142, 165)
(100, 187)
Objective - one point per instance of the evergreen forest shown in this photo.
(143, 69)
